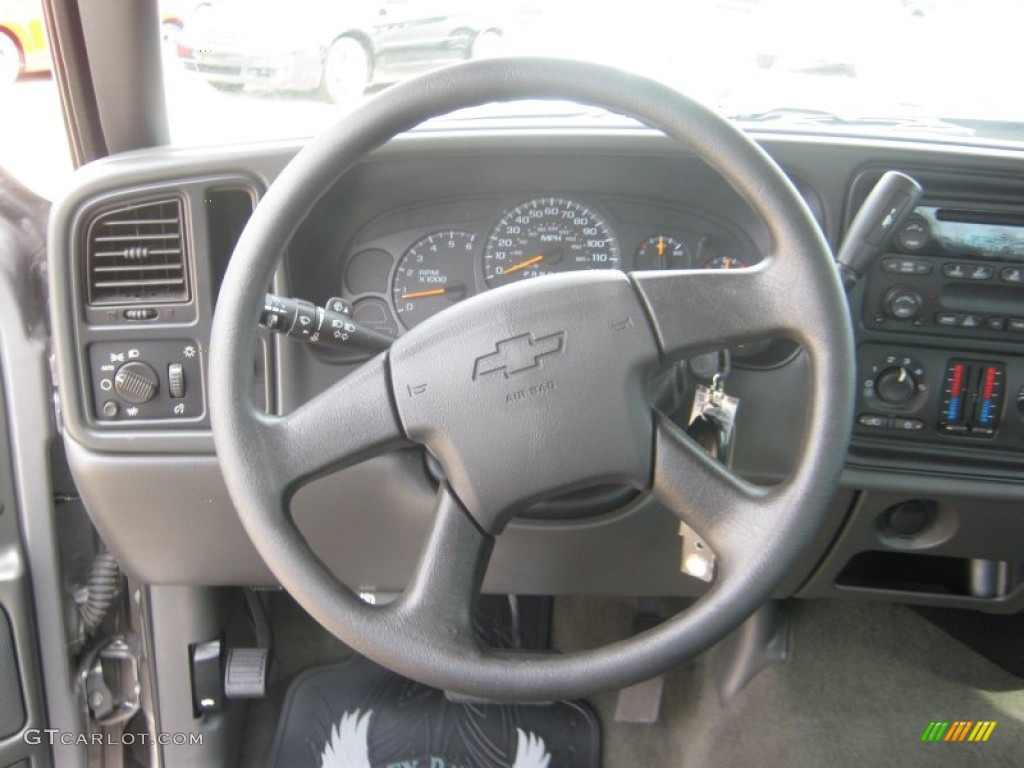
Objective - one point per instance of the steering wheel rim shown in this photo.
(756, 532)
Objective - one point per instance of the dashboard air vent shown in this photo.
(136, 254)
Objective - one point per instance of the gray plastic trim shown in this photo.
(27, 391)
(968, 525)
(28, 710)
(69, 315)
(178, 617)
(137, 89)
(12, 703)
(825, 166)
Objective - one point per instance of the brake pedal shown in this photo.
(245, 675)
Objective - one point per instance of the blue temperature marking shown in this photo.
(986, 411)
(953, 412)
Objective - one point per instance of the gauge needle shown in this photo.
(423, 294)
(661, 246)
(524, 264)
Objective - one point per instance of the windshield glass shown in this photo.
(241, 70)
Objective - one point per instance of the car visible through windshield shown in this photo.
(246, 71)
(822, 64)
(339, 48)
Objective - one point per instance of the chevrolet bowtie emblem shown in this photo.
(520, 353)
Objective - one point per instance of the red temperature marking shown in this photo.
(990, 382)
(957, 381)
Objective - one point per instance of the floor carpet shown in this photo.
(861, 684)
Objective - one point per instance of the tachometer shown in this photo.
(433, 274)
(545, 236)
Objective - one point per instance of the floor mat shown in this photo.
(359, 715)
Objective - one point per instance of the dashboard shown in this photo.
(396, 277)
(928, 510)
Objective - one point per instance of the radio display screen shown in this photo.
(954, 232)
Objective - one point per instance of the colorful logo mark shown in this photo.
(959, 730)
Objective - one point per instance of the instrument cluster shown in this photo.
(397, 277)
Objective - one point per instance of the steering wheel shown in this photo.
(554, 365)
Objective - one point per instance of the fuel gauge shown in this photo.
(662, 252)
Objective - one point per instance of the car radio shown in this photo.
(957, 274)
(953, 272)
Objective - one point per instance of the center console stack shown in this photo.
(940, 319)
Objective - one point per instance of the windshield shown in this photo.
(262, 69)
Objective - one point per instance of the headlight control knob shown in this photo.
(136, 382)
(895, 385)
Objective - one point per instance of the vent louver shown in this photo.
(136, 253)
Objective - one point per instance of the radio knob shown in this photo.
(136, 382)
(903, 303)
(895, 385)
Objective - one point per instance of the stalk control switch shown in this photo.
(887, 206)
(330, 326)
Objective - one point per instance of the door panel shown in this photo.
(33, 656)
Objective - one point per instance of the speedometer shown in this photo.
(546, 236)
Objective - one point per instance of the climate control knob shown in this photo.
(903, 303)
(136, 382)
(895, 385)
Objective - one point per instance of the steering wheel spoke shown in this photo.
(697, 310)
(439, 598)
(727, 511)
(351, 421)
